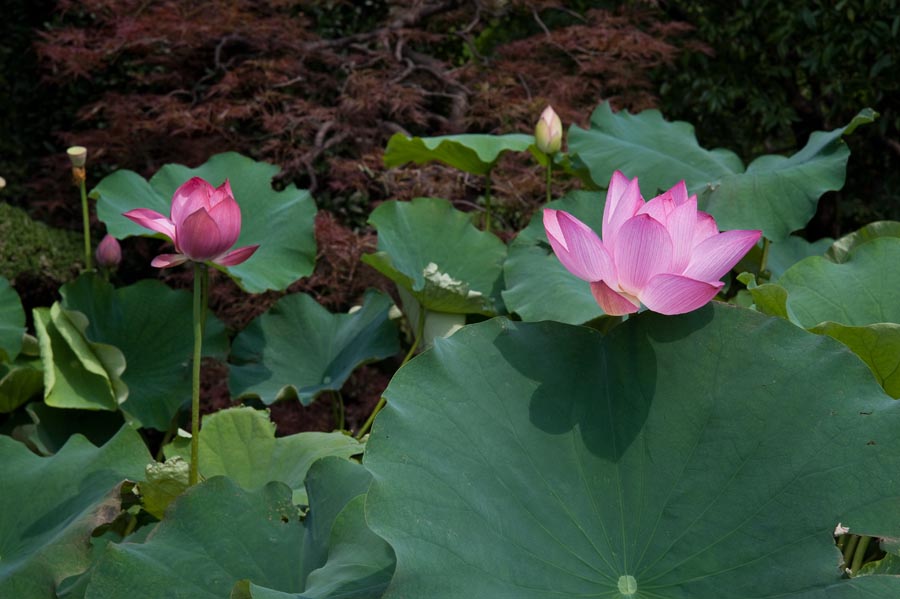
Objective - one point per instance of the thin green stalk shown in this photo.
(549, 178)
(420, 329)
(200, 283)
(86, 218)
(849, 548)
(860, 553)
(338, 408)
(765, 257)
(487, 201)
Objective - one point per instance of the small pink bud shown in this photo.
(109, 253)
(548, 132)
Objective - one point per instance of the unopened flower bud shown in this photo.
(548, 132)
(109, 253)
(78, 155)
(2, 182)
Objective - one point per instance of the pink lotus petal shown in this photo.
(578, 247)
(623, 200)
(200, 238)
(718, 254)
(236, 256)
(221, 193)
(644, 249)
(168, 260)
(227, 215)
(659, 208)
(706, 227)
(682, 222)
(676, 294)
(192, 195)
(153, 220)
(679, 193)
(613, 302)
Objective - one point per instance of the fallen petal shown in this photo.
(676, 294)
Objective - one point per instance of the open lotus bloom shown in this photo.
(664, 253)
(205, 223)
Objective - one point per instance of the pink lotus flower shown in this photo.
(663, 253)
(205, 223)
(109, 252)
(548, 132)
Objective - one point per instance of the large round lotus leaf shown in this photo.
(151, 325)
(704, 456)
(240, 443)
(281, 222)
(218, 535)
(840, 249)
(12, 322)
(856, 301)
(432, 250)
(49, 506)
(791, 250)
(341, 556)
(538, 286)
(298, 348)
(774, 193)
(471, 153)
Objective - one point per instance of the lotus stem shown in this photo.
(338, 408)
(549, 179)
(487, 201)
(79, 175)
(849, 549)
(859, 555)
(420, 329)
(764, 258)
(201, 285)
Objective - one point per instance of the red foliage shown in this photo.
(176, 81)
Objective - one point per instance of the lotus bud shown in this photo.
(548, 132)
(109, 253)
(78, 156)
(2, 182)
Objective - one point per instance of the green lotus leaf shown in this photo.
(856, 301)
(218, 535)
(20, 381)
(151, 325)
(240, 443)
(162, 483)
(12, 322)
(706, 456)
(777, 194)
(538, 286)
(432, 250)
(791, 250)
(281, 222)
(862, 290)
(471, 153)
(342, 557)
(298, 348)
(51, 428)
(50, 506)
(78, 373)
(840, 249)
